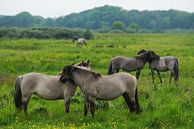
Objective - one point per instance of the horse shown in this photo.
(80, 41)
(45, 86)
(97, 87)
(127, 64)
(163, 64)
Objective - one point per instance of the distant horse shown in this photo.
(80, 41)
(163, 64)
(45, 86)
(128, 64)
(97, 87)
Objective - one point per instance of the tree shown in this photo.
(118, 25)
(87, 34)
(133, 28)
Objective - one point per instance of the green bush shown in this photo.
(44, 33)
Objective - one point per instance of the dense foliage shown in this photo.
(104, 18)
(44, 33)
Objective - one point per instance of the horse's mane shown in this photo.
(141, 57)
(141, 51)
(96, 75)
(156, 57)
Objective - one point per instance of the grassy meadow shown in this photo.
(166, 106)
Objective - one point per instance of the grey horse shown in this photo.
(97, 87)
(163, 64)
(45, 86)
(128, 64)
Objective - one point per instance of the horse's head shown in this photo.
(66, 74)
(75, 38)
(152, 56)
(83, 65)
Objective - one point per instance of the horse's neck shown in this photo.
(83, 79)
(139, 63)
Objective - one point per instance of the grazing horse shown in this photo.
(128, 64)
(163, 64)
(80, 41)
(45, 86)
(97, 87)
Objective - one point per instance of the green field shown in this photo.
(164, 105)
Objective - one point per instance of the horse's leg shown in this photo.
(172, 74)
(69, 91)
(152, 72)
(138, 73)
(92, 105)
(128, 101)
(159, 76)
(85, 43)
(67, 103)
(25, 101)
(137, 101)
(117, 70)
(86, 106)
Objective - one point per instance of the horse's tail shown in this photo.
(110, 68)
(176, 69)
(137, 101)
(18, 93)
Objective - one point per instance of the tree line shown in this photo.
(44, 33)
(109, 18)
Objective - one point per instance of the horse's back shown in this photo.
(114, 85)
(164, 63)
(119, 58)
(31, 79)
(121, 78)
(170, 61)
(126, 63)
(81, 40)
(48, 87)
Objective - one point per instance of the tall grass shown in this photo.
(163, 105)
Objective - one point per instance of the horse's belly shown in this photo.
(50, 97)
(109, 92)
(163, 69)
(49, 94)
(106, 98)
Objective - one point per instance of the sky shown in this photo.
(56, 8)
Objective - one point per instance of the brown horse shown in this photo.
(97, 87)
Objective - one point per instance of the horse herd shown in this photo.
(94, 86)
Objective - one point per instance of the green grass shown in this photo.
(164, 105)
